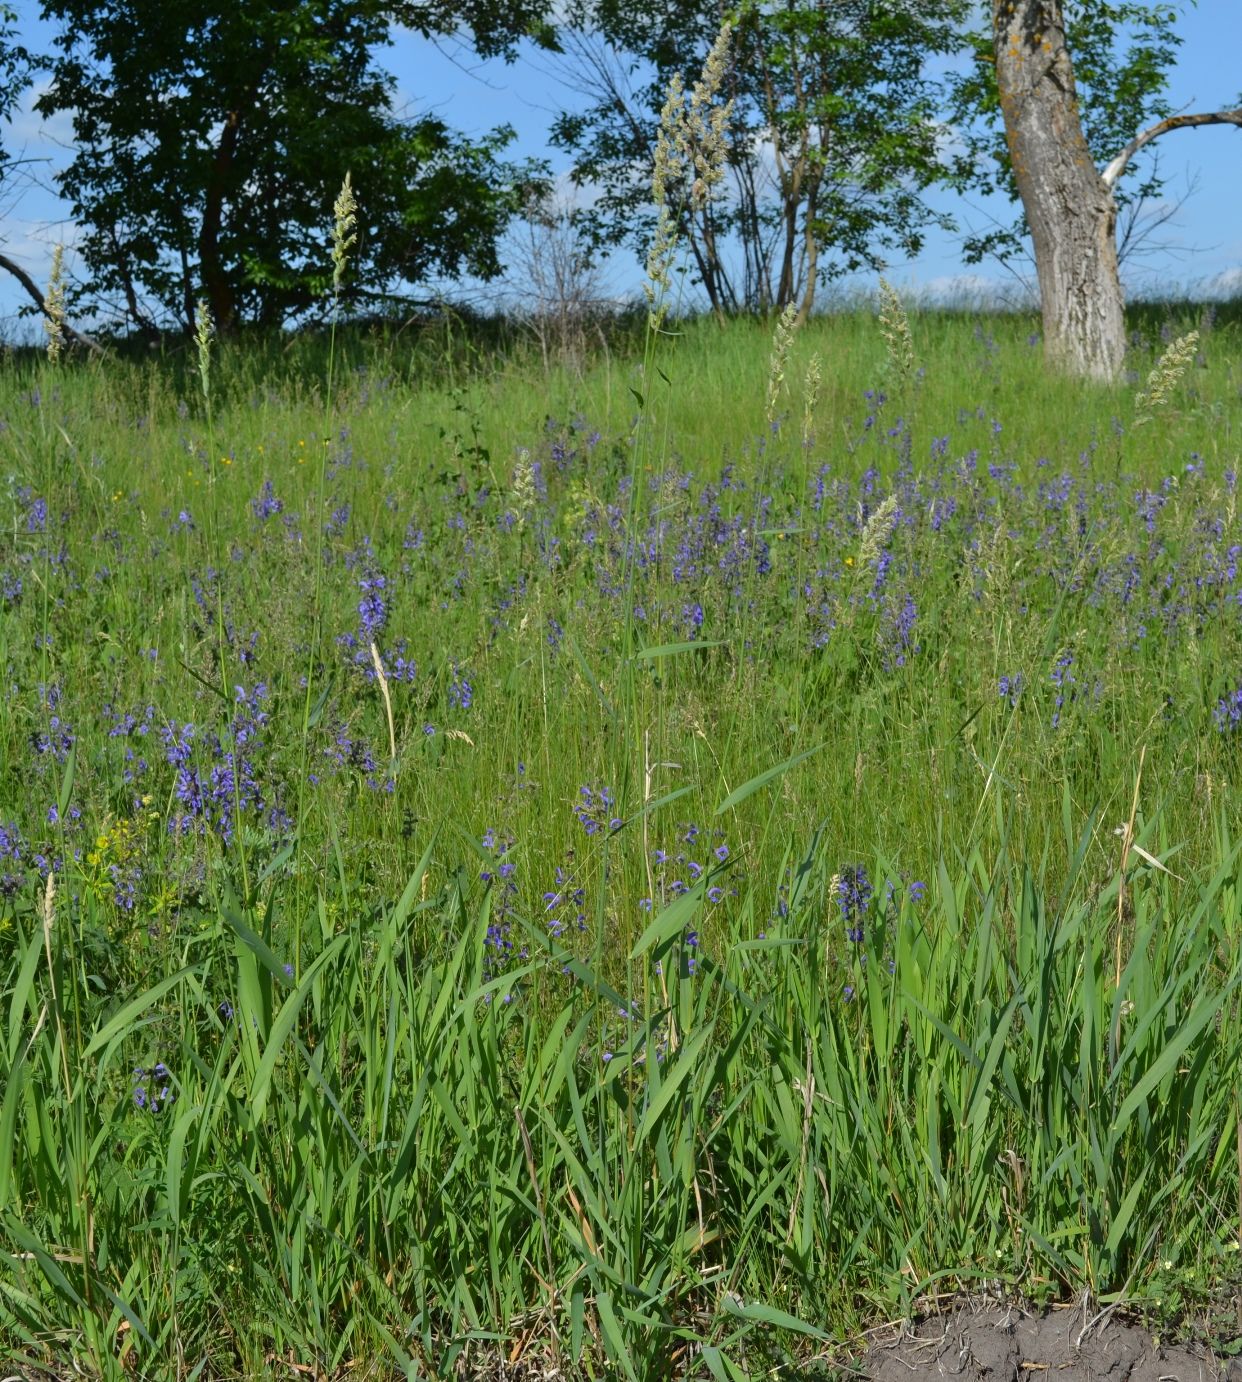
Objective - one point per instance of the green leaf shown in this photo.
(614, 1340)
(672, 649)
(66, 782)
(585, 668)
(769, 1314)
(577, 1316)
(275, 864)
(271, 962)
(186, 1114)
(8, 1125)
(1125, 1212)
(672, 920)
(127, 1015)
(1168, 1060)
(683, 1066)
(740, 794)
(282, 1027)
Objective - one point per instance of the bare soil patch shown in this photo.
(1000, 1344)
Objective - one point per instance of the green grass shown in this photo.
(460, 1062)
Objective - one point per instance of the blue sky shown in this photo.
(1204, 242)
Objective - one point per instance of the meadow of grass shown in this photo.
(644, 870)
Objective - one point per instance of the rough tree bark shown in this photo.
(215, 280)
(1069, 203)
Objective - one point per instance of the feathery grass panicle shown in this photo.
(344, 234)
(994, 560)
(810, 395)
(666, 176)
(670, 160)
(782, 339)
(204, 330)
(54, 307)
(524, 485)
(1165, 377)
(659, 266)
(47, 907)
(706, 122)
(878, 530)
(895, 329)
(689, 139)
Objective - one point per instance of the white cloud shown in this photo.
(971, 291)
(1227, 283)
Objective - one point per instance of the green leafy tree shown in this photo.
(833, 138)
(15, 69)
(210, 141)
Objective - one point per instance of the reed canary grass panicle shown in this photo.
(1165, 377)
(344, 234)
(54, 307)
(666, 176)
(706, 122)
(877, 532)
(895, 329)
(782, 339)
(670, 143)
(344, 238)
(810, 395)
(47, 910)
(690, 139)
(659, 265)
(203, 332)
(524, 485)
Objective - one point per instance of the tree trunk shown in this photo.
(810, 243)
(124, 271)
(187, 292)
(1069, 205)
(219, 290)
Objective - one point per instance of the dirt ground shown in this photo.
(1063, 1345)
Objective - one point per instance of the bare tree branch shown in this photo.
(1140, 221)
(32, 288)
(1174, 122)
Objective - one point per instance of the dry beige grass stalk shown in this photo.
(378, 663)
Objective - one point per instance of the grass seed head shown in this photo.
(47, 907)
(1165, 377)
(54, 307)
(666, 175)
(203, 332)
(878, 531)
(810, 395)
(524, 494)
(706, 122)
(344, 233)
(690, 139)
(782, 339)
(895, 328)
